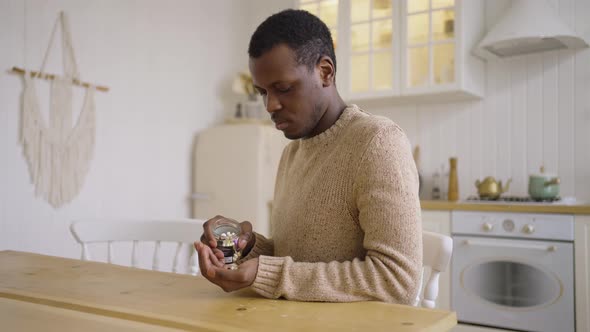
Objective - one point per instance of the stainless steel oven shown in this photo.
(513, 270)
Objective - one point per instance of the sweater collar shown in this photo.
(347, 115)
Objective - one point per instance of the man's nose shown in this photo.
(272, 103)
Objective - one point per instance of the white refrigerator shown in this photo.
(235, 166)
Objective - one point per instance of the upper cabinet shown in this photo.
(405, 49)
(369, 49)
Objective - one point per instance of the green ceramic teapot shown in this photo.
(543, 186)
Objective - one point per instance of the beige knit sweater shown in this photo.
(346, 220)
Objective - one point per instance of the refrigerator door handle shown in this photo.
(201, 196)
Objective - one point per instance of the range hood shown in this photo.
(527, 26)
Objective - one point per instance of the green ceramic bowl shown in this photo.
(543, 186)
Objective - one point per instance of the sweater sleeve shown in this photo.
(386, 196)
(262, 246)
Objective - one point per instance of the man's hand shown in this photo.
(245, 241)
(228, 280)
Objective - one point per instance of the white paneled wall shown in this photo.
(536, 112)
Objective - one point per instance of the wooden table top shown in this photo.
(18, 315)
(47, 287)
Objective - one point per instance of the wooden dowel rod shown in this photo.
(53, 76)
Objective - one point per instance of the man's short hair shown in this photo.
(303, 32)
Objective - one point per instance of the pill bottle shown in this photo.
(226, 232)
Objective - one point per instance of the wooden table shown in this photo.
(58, 294)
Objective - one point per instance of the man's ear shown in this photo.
(327, 71)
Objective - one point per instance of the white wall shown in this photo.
(168, 64)
(536, 112)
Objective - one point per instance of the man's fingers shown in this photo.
(217, 258)
(205, 255)
(219, 254)
(243, 241)
(204, 239)
(246, 234)
(208, 232)
(200, 253)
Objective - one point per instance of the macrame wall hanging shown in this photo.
(58, 153)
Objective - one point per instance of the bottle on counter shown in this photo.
(444, 182)
(453, 192)
(238, 114)
(436, 185)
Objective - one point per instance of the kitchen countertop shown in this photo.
(54, 293)
(505, 207)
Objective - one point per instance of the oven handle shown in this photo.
(514, 245)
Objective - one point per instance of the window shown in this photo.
(395, 48)
(327, 11)
(371, 45)
(430, 42)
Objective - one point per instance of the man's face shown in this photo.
(292, 93)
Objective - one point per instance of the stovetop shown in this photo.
(511, 199)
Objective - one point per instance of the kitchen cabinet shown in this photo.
(582, 258)
(440, 222)
(437, 37)
(401, 49)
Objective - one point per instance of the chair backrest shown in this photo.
(178, 231)
(437, 251)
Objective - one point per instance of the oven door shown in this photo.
(517, 284)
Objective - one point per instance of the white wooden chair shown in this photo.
(437, 251)
(179, 231)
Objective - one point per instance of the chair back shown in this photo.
(181, 232)
(437, 251)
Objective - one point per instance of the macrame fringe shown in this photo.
(58, 159)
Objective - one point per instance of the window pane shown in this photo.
(381, 8)
(418, 28)
(443, 24)
(329, 12)
(442, 3)
(359, 73)
(360, 37)
(418, 66)
(444, 63)
(382, 74)
(382, 34)
(359, 10)
(417, 5)
(310, 7)
(334, 33)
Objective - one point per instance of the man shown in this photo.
(346, 213)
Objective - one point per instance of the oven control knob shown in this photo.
(487, 226)
(508, 225)
(528, 229)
